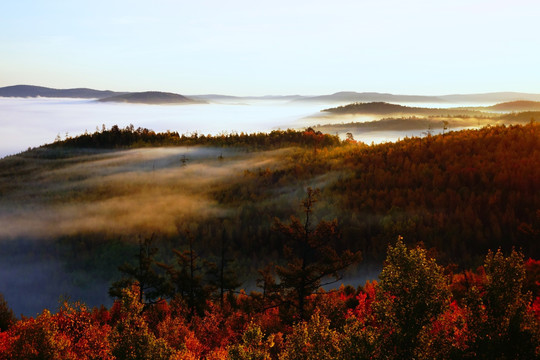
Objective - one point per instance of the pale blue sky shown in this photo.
(273, 47)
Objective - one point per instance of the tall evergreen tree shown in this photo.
(311, 255)
(6, 314)
(144, 273)
(223, 277)
(187, 278)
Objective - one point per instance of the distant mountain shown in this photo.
(152, 98)
(520, 105)
(40, 91)
(343, 97)
(351, 96)
(495, 97)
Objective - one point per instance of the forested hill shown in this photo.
(521, 105)
(420, 204)
(129, 137)
(383, 108)
(152, 98)
(460, 193)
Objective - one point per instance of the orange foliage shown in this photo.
(345, 323)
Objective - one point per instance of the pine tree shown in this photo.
(223, 277)
(311, 256)
(144, 274)
(187, 278)
(6, 314)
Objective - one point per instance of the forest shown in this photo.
(258, 259)
(416, 310)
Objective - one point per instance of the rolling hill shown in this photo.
(25, 91)
(148, 97)
(152, 98)
(520, 105)
(351, 96)
(383, 108)
(338, 97)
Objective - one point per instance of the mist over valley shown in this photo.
(72, 213)
(282, 180)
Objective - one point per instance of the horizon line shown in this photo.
(279, 95)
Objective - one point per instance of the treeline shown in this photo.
(460, 194)
(129, 137)
(417, 310)
(522, 117)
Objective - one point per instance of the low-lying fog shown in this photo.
(124, 192)
(32, 122)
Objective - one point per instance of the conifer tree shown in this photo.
(187, 278)
(144, 273)
(222, 276)
(6, 314)
(311, 255)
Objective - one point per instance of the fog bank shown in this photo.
(33, 122)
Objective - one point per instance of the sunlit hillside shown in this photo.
(223, 246)
(87, 201)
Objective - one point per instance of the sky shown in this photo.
(278, 47)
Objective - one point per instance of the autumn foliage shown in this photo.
(443, 198)
(417, 310)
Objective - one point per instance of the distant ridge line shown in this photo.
(29, 91)
(147, 97)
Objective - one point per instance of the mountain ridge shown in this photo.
(26, 91)
(351, 96)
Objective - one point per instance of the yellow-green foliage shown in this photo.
(312, 340)
(131, 339)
